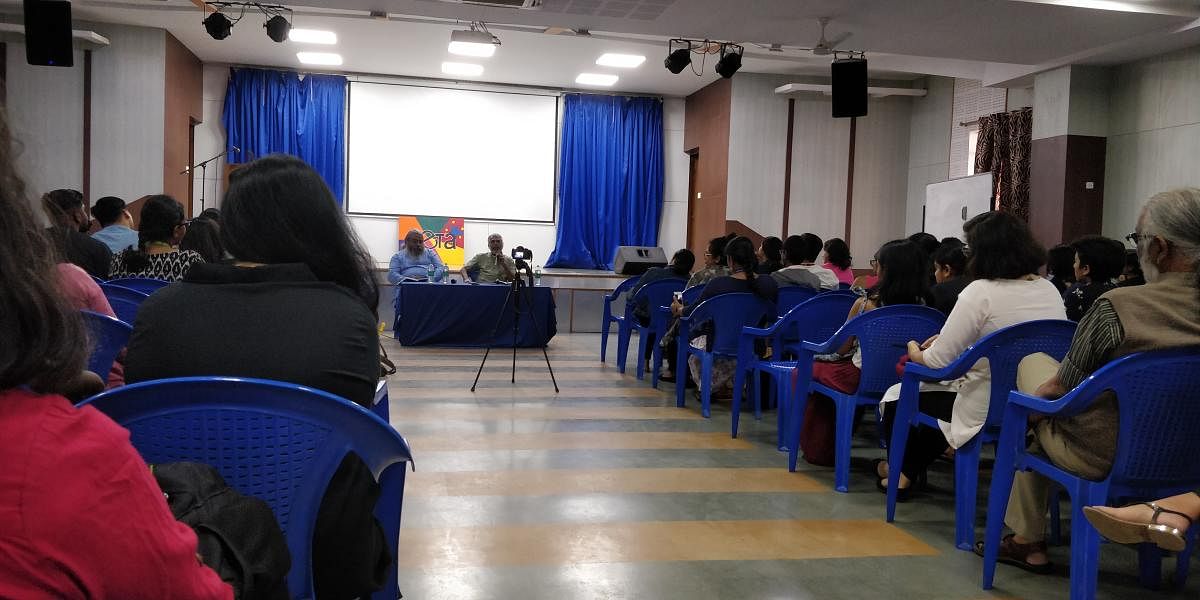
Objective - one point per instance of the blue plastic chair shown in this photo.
(609, 318)
(109, 336)
(791, 296)
(124, 301)
(728, 314)
(379, 405)
(844, 286)
(144, 285)
(1004, 350)
(275, 441)
(660, 321)
(883, 335)
(1156, 454)
(657, 293)
(814, 319)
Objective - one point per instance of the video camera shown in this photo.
(521, 253)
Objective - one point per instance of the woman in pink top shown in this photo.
(80, 514)
(838, 260)
(81, 291)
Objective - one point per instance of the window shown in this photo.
(972, 142)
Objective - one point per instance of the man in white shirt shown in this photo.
(800, 253)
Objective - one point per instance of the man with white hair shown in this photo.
(493, 265)
(1163, 314)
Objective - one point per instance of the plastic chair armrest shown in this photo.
(1073, 403)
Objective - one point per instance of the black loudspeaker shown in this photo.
(635, 260)
(849, 87)
(48, 33)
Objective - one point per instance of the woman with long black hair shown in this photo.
(297, 304)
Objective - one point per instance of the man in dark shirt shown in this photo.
(680, 268)
(68, 211)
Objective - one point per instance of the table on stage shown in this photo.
(440, 314)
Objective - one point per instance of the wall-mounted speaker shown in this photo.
(48, 33)
(849, 87)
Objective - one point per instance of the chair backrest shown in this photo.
(843, 286)
(275, 441)
(144, 285)
(728, 313)
(1156, 393)
(1005, 348)
(124, 301)
(692, 294)
(791, 296)
(657, 293)
(625, 286)
(108, 336)
(883, 335)
(818, 318)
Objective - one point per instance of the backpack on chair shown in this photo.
(238, 535)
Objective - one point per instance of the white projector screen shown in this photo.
(449, 152)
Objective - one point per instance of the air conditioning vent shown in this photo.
(522, 4)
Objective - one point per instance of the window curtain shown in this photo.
(278, 111)
(610, 184)
(1003, 148)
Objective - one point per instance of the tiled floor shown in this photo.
(607, 490)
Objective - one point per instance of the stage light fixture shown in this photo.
(731, 60)
(218, 26)
(677, 60)
(278, 28)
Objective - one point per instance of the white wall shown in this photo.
(880, 176)
(210, 138)
(820, 163)
(45, 112)
(1153, 134)
(672, 229)
(928, 146)
(128, 112)
(757, 152)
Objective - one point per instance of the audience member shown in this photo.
(801, 252)
(157, 255)
(116, 224)
(903, 271)
(949, 271)
(1006, 290)
(1164, 523)
(1160, 315)
(770, 256)
(1098, 262)
(68, 213)
(926, 241)
(741, 260)
(211, 214)
(1132, 275)
(714, 263)
(493, 265)
(83, 293)
(204, 238)
(838, 260)
(298, 305)
(80, 514)
(412, 262)
(680, 268)
(1060, 269)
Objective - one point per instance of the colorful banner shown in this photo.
(443, 234)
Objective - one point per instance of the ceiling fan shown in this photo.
(826, 47)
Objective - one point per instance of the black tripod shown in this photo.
(518, 292)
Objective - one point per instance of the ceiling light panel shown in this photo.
(313, 36)
(602, 79)
(620, 61)
(463, 69)
(472, 49)
(320, 58)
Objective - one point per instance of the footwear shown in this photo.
(1017, 555)
(902, 494)
(1123, 531)
(667, 378)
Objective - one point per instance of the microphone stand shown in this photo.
(203, 166)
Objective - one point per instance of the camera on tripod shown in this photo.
(522, 255)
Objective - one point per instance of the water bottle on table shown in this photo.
(537, 274)
(430, 272)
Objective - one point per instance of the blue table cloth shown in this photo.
(465, 315)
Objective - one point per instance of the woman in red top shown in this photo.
(80, 514)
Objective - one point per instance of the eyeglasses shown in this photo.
(874, 263)
(966, 251)
(1135, 238)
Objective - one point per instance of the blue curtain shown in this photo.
(277, 111)
(610, 179)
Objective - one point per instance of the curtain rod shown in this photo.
(968, 123)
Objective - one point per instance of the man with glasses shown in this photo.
(1163, 314)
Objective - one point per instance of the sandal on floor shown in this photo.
(1012, 553)
(1132, 532)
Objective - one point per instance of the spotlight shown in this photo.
(678, 60)
(218, 26)
(278, 28)
(731, 60)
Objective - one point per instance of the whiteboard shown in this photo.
(458, 153)
(949, 204)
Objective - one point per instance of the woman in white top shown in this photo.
(1004, 260)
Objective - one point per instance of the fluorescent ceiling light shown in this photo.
(312, 36)
(595, 79)
(320, 58)
(473, 43)
(457, 68)
(623, 61)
